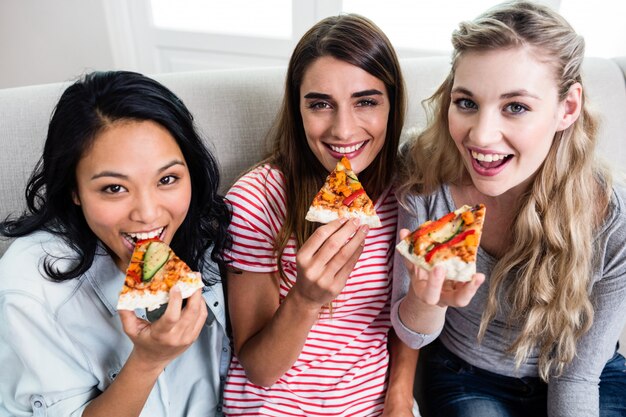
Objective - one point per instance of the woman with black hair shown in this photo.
(122, 161)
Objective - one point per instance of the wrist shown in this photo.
(304, 305)
(416, 303)
(421, 317)
(399, 400)
(144, 365)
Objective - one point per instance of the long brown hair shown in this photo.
(358, 41)
(568, 199)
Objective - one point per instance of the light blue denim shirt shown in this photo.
(62, 344)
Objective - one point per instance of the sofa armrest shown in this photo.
(621, 62)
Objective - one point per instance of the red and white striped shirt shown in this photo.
(342, 368)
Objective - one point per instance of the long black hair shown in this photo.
(87, 107)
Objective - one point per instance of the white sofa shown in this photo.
(234, 109)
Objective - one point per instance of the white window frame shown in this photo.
(139, 45)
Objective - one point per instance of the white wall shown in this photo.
(44, 41)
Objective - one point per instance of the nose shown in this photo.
(345, 124)
(485, 128)
(145, 208)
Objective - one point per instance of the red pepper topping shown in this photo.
(142, 241)
(349, 199)
(135, 276)
(457, 239)
(434, 225)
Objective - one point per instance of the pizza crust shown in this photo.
(316, 214)
(152, 300)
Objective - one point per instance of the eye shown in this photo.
(368, 102)
(465, 104)
(168, 179)
(113, 189)
(516, 108)
(318, 105)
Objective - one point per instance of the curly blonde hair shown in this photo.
(552, 253)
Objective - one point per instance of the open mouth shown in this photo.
(132, 238)
(346, 150)
(490, 160)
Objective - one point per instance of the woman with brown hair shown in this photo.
(309, 304)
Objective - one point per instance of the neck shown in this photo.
(500, 216)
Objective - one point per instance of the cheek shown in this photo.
(455, 127)
(101, 218)
(543, 138)
(313, 129)
(179, 204)
(382, 128)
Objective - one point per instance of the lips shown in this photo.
(489, 164)
(348, 150)
(131, 238)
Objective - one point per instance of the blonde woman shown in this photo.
(511, 129)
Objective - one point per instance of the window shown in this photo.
(426, 27)
(418, 28)
(180, 35)
(267, 18)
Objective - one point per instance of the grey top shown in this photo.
(575, 393)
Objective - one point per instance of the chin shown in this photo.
(489, 190)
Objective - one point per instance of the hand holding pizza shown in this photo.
(326, 260)
(440, 257)
(158, 343)
(430, 294)
(432, 288)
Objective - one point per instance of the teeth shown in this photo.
(144, 235)
(490, 157)
(349, 149)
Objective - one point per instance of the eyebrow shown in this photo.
(125, 177)
(364, 93)
(515, 93)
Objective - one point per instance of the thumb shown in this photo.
(404, 233)
(130, 322)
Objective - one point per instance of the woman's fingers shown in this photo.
(461, 293)
(322, 273)
(429, 284)
(131, 323)
(193, 316)
(320, 237)
(332, 240)
(348, 243)
(195, 310)
(172, 314)
(344, 262)
(404, 233)
(199, 312)
(432, 288)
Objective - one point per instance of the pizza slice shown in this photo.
(451, 241)
(153, 270)
(342, 195)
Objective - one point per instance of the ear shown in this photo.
(571, 106)
(75, 198)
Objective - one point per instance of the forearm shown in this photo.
(127, 394)
(403, 361)
(271, 352)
